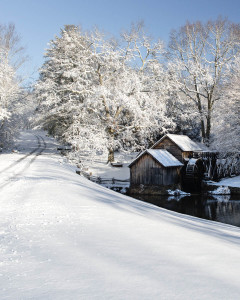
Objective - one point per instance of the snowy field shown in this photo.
(64, 237)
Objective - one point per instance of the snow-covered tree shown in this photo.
(183, 115)
(8, 86)
(91, 94)
(11, 58)
(128, 96)
(64, 79)
(155, 85)
(227, 114)
(199, 56)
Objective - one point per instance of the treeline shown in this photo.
(103, 94)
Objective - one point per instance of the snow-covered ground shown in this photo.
(99, 167)
(64, 237)
(221, 190)
(233, 182)
(112, 177)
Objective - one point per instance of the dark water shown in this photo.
(220, 208)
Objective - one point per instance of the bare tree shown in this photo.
(199, 56)
(10, 45)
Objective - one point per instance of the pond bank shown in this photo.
(232, 183)
(220, 208)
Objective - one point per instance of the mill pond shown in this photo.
(220, 208)
(176, 161)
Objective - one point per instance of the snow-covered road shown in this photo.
(64, 237)
(18, 166)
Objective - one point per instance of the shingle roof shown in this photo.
(182, 141)
(162, 156)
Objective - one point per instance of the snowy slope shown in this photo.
(64, 237)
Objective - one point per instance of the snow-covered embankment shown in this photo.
(64, 237)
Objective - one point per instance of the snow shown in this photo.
(165, 158)
(183, 141)
(177, 192)
(64, 237)
(233, 182)
(177, 195)
(192, 161)
(221, 190)
(99, 167)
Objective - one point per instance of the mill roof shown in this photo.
(182, 141)
(162, 156)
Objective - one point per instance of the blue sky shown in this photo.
(38, 21)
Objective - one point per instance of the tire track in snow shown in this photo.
(41, 146)
(15, 163)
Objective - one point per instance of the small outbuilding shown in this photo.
(154, 171)
(180, 146)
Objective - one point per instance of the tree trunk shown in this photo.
(202, 121)
(1, 127)
(110, 155)
(110, 132)
(203, 130)
(199, 106)
(208, 129)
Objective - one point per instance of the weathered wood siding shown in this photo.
(147, 171)
(170, 147)
(173, 149)
(171, 175)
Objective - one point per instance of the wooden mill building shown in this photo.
(157, 169)
(180, 146)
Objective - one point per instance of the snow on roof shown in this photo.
(162, 156)
(183, 142)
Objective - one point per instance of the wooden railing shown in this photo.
(102, 180)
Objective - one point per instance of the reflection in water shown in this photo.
(221, 208)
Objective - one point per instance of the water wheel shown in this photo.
(193, 175)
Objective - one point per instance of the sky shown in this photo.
(39, 21)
